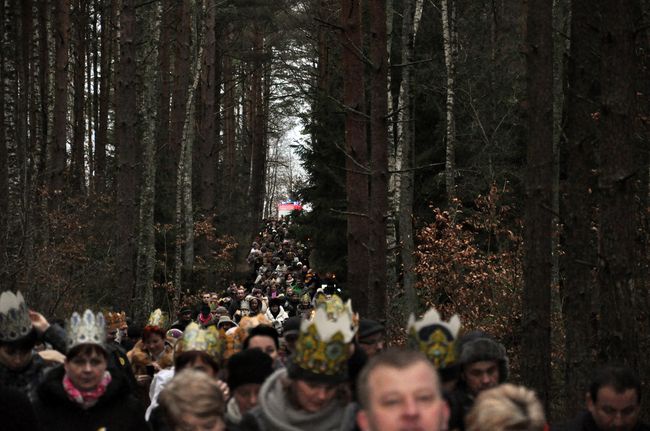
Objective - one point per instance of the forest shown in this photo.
(488, 158)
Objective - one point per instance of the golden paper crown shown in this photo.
(208, 340)
(115, 320)
(323, 346)
(86, 329)
(158, 318)
(14, 317)
(434, 337)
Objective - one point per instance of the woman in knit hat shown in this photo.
(247, 370)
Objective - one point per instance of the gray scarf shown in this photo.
(283, 416)
(232, 411)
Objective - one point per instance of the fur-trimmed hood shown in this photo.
(140, 358)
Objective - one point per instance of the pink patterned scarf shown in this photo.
(86, 399)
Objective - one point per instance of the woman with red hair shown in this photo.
(150, 355)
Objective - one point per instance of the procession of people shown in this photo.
(282, 352)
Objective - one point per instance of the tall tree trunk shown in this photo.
(447, 12)
(561, 21)
(126, 118)
(176, 15)
(619, 174)
(258, 127)
(44, 94)
(578, 204)
(378, 162)
(536, 341)
(356, 155)
(180, 87)
(207, 150)
(229, 162)
(394, 22)
(26, 134)
(106, 39)
(92, 76)
(4, 166)
(57, 156)
(184, 255)
(146, 251)
(79, 131)
(412, 10)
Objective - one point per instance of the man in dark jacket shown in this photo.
(21, 367)
(483, 364)
(613, 403)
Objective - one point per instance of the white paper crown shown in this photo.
(328, 322)
(14, 317)
(434, 337)
(86, 329)
(432, 317)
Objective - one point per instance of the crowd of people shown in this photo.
(283, 352)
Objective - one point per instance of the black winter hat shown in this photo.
(485, 349)
(291, 325)
(368, 327)
(248, 366)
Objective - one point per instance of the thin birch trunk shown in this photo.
(146, 258)
(412, 10)
(447, 12)
(184, 256)
(392, 264)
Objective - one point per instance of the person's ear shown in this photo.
(362, 420)
(446, 412)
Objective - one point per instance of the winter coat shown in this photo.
(16, 411)
(277, 321)
(140, 358)
(275, 413)
(27, 379)
(118, 362)
(116, 409)
(585, 422)
(460, 401)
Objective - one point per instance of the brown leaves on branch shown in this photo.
(472, 265)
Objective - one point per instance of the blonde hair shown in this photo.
(192, 392)
(506, 408)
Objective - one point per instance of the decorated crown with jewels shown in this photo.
(14, 317)
(88, 328)
(158, 318)
(208, 340)
(323, 346)
(434, 337)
